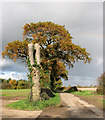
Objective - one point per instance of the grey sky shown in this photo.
(83, 20)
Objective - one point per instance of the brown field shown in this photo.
(92, 89)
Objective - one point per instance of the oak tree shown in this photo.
(57, 49)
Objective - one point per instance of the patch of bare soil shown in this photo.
(7, 100)
(54, 112)
(13, 98)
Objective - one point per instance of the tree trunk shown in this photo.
(35, 91)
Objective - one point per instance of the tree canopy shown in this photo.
(57, 48)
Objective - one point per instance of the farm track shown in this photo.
(72, 108)
(79, 108)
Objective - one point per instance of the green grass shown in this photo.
(27, 105)
(84, 93)
(102, 101)
(13, 93)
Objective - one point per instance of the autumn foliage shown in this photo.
(57, 49)
(16, 50)
(13, 84)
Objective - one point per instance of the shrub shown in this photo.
(72, 89)
(5, 86)
(101, 84)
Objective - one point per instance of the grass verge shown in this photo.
(39, 105)
(85, 93)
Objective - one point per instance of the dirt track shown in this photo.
(73, 108)
(79, 108)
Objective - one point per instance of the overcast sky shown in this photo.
(84, 21)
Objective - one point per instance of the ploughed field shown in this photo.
(92, 89)
(15, 94)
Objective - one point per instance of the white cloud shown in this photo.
(13, 75)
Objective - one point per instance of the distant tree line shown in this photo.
(26, 84)
(14, 84)
(89, 86)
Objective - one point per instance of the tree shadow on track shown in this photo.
(49, 118)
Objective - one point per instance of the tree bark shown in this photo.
(35, 91)
(37, 55)
(31, 49)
